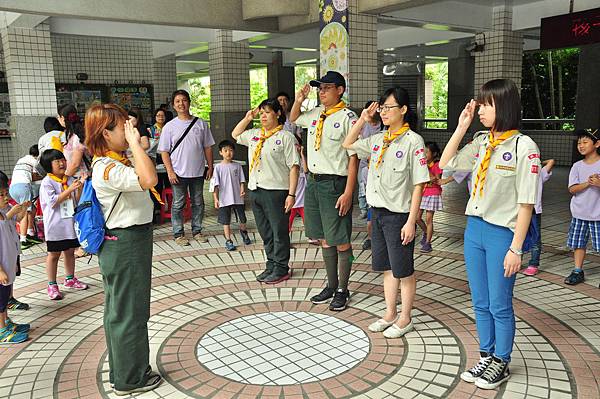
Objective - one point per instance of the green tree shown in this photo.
(200, 96)
(438, 74)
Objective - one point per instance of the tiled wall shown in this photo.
(164, 78)
(229, 73)
(7, 155)
(104, 60)
(362, 56)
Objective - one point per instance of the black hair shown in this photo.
(73, 123)
(590, 134)
(3, 180)
(402, 98)
(504, 94)
(435, 150)
(156, 111)
(180, 93)
(275, 107)
(168, 116)
(48, 156)
(51, 123)
(138, 115)
(284, 94)
(34, 151)
(226, 143)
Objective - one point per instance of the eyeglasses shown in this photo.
(325, 87)
(386, 108)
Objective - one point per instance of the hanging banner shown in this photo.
(333, 39)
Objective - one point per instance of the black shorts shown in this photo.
(224, 214)
(387, 250)
(18, 265)
(62, 245)
(4, 297)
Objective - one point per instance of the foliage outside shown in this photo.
(438, 74)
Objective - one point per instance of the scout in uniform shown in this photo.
(272, 180)
(332, 173)
(505, 169)
(397, 175)
(125, 257)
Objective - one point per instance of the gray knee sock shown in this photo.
(345, 259)
(330, 257)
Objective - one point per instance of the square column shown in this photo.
(229, 85)
(164, 77)
(30, 78)
(279, 77)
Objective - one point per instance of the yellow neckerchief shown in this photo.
(157, 130)
(56, 143)
(485, 163)
(125, 161)
(62, 181)
(264, 135)
(319, 132)
(387, 140)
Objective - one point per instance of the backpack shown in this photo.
(89, 219)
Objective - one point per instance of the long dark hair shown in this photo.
(73, 123)
(401, 96)
(503, 93)
(434, 149)
(275, 107)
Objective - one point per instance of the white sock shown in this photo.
(30, 232)
(23, 238)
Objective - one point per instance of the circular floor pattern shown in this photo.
(282, 348)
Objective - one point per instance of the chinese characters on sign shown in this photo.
(569, 30)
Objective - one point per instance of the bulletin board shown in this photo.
(83, 96)
(131, 96)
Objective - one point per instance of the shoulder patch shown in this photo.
(108, 169)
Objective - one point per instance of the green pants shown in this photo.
(126, 268)
(268, 207)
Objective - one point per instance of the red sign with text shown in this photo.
(570, 30)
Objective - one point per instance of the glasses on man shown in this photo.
(325, 87)
(386, 108)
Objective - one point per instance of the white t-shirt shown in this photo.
(23, 171)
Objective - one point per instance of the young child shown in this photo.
(58, 196)
(10, 333)
(21, 190)
(584, 184)
(298, 208)
(228, 181)
(536, 250)
(432, 195)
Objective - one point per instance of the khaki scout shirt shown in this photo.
(109, 178)
(332, 158)
(403, 166)
(277, 157)
(512, 178)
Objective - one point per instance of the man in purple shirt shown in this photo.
(187, 166)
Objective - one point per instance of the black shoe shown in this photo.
(340, 300)
(366, 244)
(261, 277)
(153, 382)
(34, 239)
(245, 237)
(575, 278)
(26, 245)
(323, 297)
(278, 275)
(472, 374)
(494, 375)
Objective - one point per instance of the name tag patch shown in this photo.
(505, 167)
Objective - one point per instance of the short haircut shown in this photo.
(97, 119)
(504, 95)
(180, 93)
(34, 151)
(3, 181)
(51, 123)
(48, 157)
(226, 143)
(591, 134)
(275, 107)
(283, 94)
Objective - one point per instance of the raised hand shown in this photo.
(131, 133)
(250, 115)
(303, 93)
(467, 114)
(368, 113)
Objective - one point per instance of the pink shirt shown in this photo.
(430, 188)
(74, 144)
(228, 178)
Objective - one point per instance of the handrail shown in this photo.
(561, 120)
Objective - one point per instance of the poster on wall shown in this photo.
(333, 39)
(83, 96)
(133, 96)
(4, 114)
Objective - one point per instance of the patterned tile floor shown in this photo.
(217, 333)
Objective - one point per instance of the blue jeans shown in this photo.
(195, 185)
(536, 250)
(486, 245)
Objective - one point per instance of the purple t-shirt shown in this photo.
(585, 204)
(228, 177)
(188, 159)
(544, 177)
(56, 228)
(9, 245)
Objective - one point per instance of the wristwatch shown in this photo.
(515, 251)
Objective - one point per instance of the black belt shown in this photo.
(318, 177)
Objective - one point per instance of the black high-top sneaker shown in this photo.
(495, 374)
(477, 371)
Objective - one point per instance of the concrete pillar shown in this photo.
(502, 56)
(380, 65)
(461, 74)
(587, 113)
(279, 77)
(30, 78)
(164, 78)
(362, 57)
(229, 85)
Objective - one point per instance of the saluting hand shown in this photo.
(467, 114)
(303, 93)
(368, 113)
(250, 115)
(131, 133)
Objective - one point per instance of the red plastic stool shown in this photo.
(166, 208)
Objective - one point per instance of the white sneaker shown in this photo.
(380, 325)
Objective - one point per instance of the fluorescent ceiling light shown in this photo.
(311, 61)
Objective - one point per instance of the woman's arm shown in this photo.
(365, 116)
(144, 167)
(464, 121)
(407, 233)
(512, 261)
(290, 200)
(243, 124)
